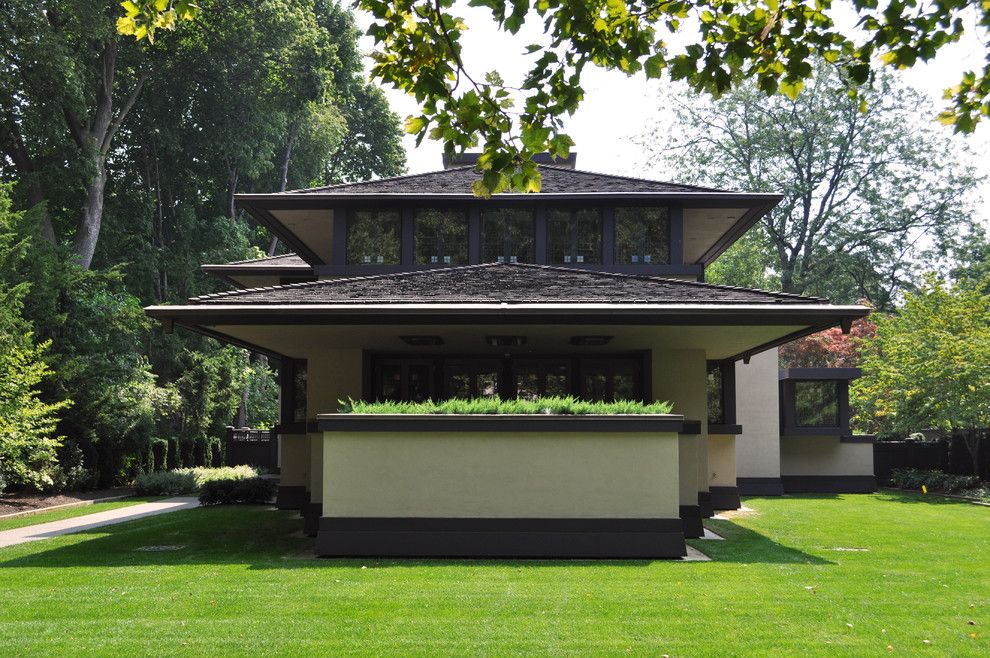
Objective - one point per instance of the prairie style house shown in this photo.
(411, 288)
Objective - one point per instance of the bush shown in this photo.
(254, 491)
(913, 478)
(549, 405)
(189, 480)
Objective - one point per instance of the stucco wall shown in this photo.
(758, 411)
(721, 460)
(500, 475)
(680, 377)
(824, 455)
(294, 460)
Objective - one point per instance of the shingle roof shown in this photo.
(503, 283)
(271, 262)
(458, 180)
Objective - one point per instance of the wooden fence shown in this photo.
(252, 447)
(949, 455)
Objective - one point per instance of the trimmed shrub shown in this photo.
(546, 406)
(252, 491)
(188, 480)
(913, 478)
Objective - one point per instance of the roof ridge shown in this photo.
(346, 279)
(375, 180)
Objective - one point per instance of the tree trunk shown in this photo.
(92, 216)
(283, 181)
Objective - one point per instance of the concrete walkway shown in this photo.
(80, 523)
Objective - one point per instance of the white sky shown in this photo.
(616, 108)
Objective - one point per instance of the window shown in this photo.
(611, 379)
(471, 378)
(403, 380)
(374, 237)
(816, 403)
(542, 378)
(716, 395)
(642, 236)
(441, 237)
(574, 236)
(507, 235)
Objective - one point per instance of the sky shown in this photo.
(617, 108)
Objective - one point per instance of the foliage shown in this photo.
(143, 17)
(935, 480)
(830, 348)
(251, 491)
(188, 480)
(495, 405)
(712, 46)
(928, 365)
(28, 440)
(865, 205)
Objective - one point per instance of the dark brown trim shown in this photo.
(699, 199)
(819, 374)
(829, 483)
(720, 429)
(705, 504)
(691, 518)
(858, 438)
(691, 427)
(760, 486)
(725, 498)
(291, 497)
(670, 423)
(500, 538)
(311, 514)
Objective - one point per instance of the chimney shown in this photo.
(466, 159)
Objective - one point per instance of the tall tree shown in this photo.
(712, 45)
(865, 204)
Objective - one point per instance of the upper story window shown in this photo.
(507, 235)
(574, 236)
(642, 236)
(816, 403)
(374, 237)
(441, 237)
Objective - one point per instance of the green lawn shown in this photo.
(241, 583)
(68, 513)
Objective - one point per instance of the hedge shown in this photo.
(913, 478)
(494, 405)
(256, 490)
(188, 480)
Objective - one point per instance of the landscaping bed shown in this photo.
(24, 502)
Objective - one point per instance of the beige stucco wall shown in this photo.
(500, 475)
(680, 377)
(758, 411)
(721, 460)
(824, 455)
(293, 459)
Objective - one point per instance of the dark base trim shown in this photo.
(691, 518)
(311, 518)
(829, 483)
(500, 538)
(705, 503)
(760, 486)
(725, 498)
(291, 496)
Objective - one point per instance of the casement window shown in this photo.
(542, 377)
(611, 379)
(721, 393)
(404, 379)
(574, 236)
(642, 236)
(471, 378)
(374, 237)
(508, 235)
(441, 237)
(816, 403)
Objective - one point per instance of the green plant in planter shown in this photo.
(496, 406)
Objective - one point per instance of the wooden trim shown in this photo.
(720, 429)
(819, 374)
(691, 518)
(676, 215)
(500, 538)
(691, 427)
(648, 423)
(760, 486)
(725, 498)
(705, 504)
(829, 483)
(858, 438)
(268, 220)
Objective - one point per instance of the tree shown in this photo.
(28, 441)
(768, 42)
(830, 348)
(865, 205)
(929, 365)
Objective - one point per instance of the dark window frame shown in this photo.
(414, 238)
(572, 234)
(727, 393)
(642, 242)
(789, 421)
(507, 245)
(348, 225)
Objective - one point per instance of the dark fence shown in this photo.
(949, 455)
(252, 447)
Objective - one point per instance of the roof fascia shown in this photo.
(285, 201)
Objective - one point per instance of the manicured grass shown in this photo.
(784, 583)
(69, 512)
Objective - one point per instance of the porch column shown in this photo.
(758, 411)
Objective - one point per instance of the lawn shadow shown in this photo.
(264, 538)
(915, 497)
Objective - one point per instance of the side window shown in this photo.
(508, 235)
(816, 403)
(374, 237)
(642, 236)
(441, 237)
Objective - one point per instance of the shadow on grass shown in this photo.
(264, 538)
(904, 496)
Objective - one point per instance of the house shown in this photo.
(410, 288)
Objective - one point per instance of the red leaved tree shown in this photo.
(828, 349)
